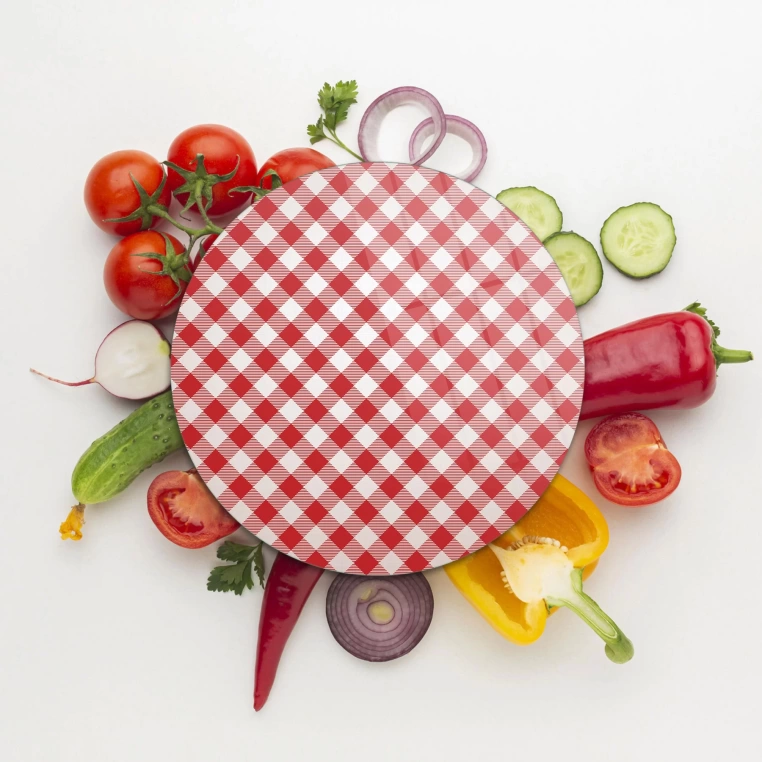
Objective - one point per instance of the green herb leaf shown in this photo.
(237, 576)
(325, 97)
(315, 131)
(345, 91)
(339, 114)
(334, 102)
(233, 551)
(259, 564)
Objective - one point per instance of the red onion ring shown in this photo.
(352, 609)
(460, 127)
(370, 126)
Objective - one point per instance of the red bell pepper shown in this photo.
(667, 360)
(288, 587)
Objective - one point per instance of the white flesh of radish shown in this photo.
(132, 362)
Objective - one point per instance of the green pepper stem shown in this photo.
(619, 649)
(722, 355)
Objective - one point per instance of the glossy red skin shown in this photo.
(131, 282)
(292, 163)
(220, 146)
(288, 587)
(660, 361)
(206, 520)
(110, 193)
(629, 445)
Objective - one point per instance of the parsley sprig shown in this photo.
(334, 103)
(237, 576)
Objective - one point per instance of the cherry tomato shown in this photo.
(110, 192)
(631, 465)
(146, 288)
(221, 147)
(185, 512)
(292, 163)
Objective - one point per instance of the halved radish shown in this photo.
(132, 362)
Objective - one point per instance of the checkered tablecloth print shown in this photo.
(377, 369)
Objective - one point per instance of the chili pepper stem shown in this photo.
(619, 649)
(722, 355)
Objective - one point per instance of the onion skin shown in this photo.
(455, 125)
(372, 638)
(367, 138)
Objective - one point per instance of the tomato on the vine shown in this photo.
(146, 275)
(292, 163)
(630, 463)
(221, 148)
(204, 248)
(110, 192)
(185, 512)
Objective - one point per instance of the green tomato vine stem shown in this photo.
(195, 233)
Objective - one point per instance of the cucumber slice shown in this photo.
(535, 207)
(579, 263)
(639, 239)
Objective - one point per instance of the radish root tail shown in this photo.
(58, 380)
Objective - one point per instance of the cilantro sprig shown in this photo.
(236, 577)
(334, 103)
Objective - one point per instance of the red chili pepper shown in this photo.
(668, 360)
(289, 584)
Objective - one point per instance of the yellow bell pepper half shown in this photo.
(564, 513)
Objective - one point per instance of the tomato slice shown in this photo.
(185, 512)
(630, 463)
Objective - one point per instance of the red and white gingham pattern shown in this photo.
(378, 369)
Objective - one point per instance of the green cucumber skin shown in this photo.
(550, 201)
(620, 268)
(115, 460)
(595, 264)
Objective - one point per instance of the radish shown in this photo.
(132, 362)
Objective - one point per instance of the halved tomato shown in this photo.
(185, 512)
(631, 465)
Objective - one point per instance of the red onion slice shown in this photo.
(370, 126)
(379, 618)
(460, 127)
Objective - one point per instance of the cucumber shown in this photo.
(579, 263)
(535, 207)
(639, 239)
(114, 461)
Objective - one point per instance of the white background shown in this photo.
(112, 649)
